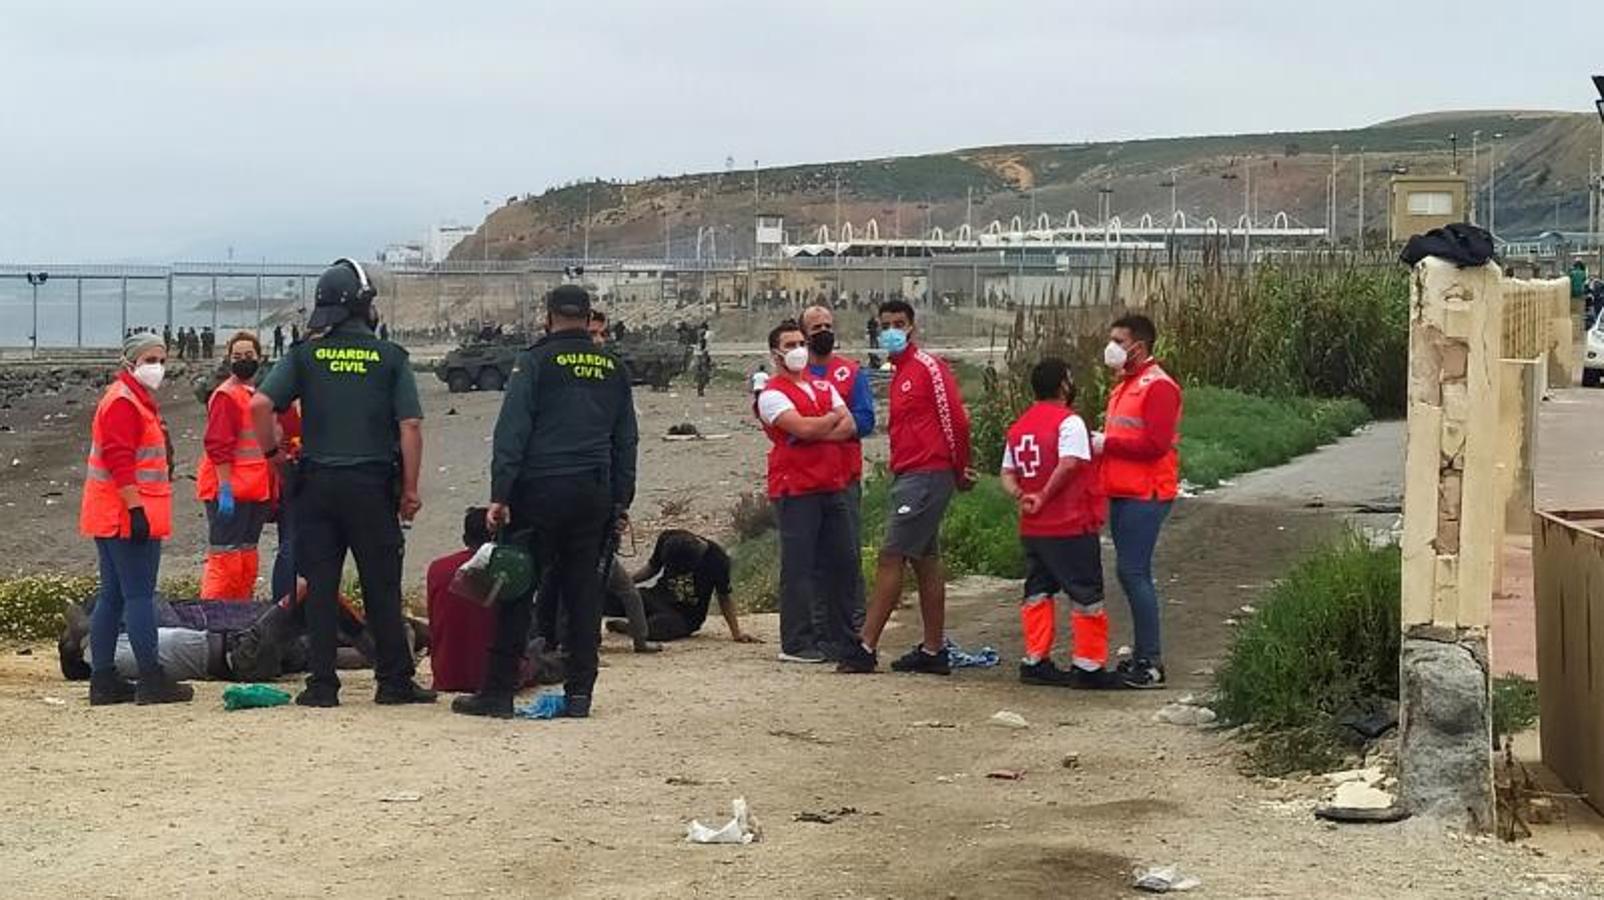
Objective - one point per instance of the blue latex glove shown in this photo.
(225, 501)
(545, 706)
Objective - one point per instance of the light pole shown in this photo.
(484, 267)
(1453, 145)
(35, 279)
(1361, 200)
(1475, 136)
(1331, 202)
(1492, 185)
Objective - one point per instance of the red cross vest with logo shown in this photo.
(843, 373)
(1080, 507)
(803, 467)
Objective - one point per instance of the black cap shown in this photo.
(569, 301)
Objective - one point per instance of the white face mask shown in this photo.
(1114, 356)
(796, 358)
(150, 375)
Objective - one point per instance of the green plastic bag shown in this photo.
(253, 696)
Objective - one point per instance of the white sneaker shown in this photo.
(806, 657)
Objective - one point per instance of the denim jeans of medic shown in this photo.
(127, 599)
(1134, 526)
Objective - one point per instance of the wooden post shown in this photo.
(1451, 523)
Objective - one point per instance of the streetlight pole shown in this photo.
(1475, 136)
(1332, 202)
(35, 279)
(1361, 201)
(1492, 185)
(1453, 144)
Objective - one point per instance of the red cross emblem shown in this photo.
(1027, 456)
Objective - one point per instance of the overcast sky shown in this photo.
(175, 129)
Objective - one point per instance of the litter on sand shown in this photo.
(1009, 719)
(959, 658)
(1006, 774)
(740, 829)
(544, 706)
(1165, 879)
(401, 797)
(253, 696)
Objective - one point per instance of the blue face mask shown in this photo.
(893, 340)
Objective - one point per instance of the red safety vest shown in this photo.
(249, 472)
(102, 513)
(803, 467)
(843, 373)
(1155, 479)
(1079, 507)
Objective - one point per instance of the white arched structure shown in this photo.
(824, 234)
(1178, 220)
(965, 233)
(1281, 221)
(1146, 221)
(871, 231)
(1044, 223)
(1072, 220)
(846, 232)
(936, 234)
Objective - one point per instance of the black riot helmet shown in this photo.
(342, 290)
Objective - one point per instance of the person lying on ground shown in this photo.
(256, 641)
(689, 570)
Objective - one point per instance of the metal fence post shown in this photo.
(124, 311)
(80, 283)
(169, 299)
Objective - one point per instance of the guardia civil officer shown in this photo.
(361, 446)
(562, 472)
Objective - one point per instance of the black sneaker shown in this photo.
(156, 686)
(1094, 679)
(578, 706)
(491, 706)
(1142, 675)
(919, 661)
(402, 694)
(1043, 672)
(857, 660)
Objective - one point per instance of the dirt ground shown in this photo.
(376, 802)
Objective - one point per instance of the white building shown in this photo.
(441, 239)
(411, 253)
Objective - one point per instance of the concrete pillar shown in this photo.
(1451, 521)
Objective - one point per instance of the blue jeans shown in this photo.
(1134, 525)
(127, 596)
(283, 581)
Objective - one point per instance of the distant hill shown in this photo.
(1542, 158)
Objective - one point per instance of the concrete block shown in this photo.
(1445, 743)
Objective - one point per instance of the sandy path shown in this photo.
(287, 802)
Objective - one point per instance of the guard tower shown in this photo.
(1420, 203)
(770, 235)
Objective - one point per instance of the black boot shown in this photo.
(319, 696)
(156, 686)
(403, 693)
(578, 707)
(107, 688)
(491, 706)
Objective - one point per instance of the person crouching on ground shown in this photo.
(127, 509)
(669, 611)
(233, 479)
(460, 630)
(1047, 467)
(807, 424)
(1141, 465)
(929, 459)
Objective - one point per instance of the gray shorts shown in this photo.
(918, 501)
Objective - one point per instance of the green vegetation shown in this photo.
(1515, 706)
(978, 537)
(1225, 432)
(1324, 644)
(1317, 330)
(31, 605)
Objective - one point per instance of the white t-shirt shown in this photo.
(1073, 442)
(770, 404)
